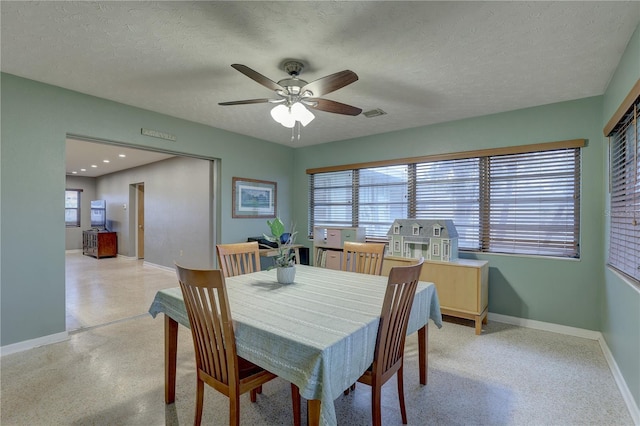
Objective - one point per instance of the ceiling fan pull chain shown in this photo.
(298, 125)
(293, 138)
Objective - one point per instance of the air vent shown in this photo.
(374, 113)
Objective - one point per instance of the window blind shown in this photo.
(624, 231)
(507, 200)
(382, 198)
(331, 197)
(450, 190)
(533, 203)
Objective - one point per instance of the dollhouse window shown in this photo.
(416, 230)
(436, 231)
(396, 229)
(396, 246)
(436, 250)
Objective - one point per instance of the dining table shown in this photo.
(318, 332)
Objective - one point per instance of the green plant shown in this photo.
(285, 240)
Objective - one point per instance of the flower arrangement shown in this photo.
(286, 255)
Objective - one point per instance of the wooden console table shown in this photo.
(463, 286)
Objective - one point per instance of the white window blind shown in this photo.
(533, 203)
(508, 200)
(382, 198)
(450, 190)
(624, 234)
(331, 197)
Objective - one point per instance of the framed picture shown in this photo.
(253, 198)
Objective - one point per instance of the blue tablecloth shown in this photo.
(318, 333)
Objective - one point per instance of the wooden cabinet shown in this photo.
(463, 285)
(328, 242)
(99, 244)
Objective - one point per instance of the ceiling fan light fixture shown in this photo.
(301, 114)
(282, 115)
(287, 116)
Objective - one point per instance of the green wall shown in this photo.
(560, 291)
(620, 308)
(35, 120)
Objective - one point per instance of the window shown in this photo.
(533, 203)
(381, 197)
(520, 200)
(72, 208)
(450, 189)
(332, 199)
(624, 215)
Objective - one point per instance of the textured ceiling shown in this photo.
(421, 62)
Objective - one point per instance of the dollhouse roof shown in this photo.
(448, 229)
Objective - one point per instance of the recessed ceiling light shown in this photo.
(94, 166)
(121, 155)
(105, 161)
(74, 172)
(83, 170)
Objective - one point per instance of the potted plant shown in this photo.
(284, 260)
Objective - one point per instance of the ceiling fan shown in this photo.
(293, 94)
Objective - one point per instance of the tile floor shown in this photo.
(110, 371)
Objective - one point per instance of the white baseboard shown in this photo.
(622, 384)
(155, 265)
(634, 411)
(33, 343)
(73, 251)
(121, 256)
(546, 326)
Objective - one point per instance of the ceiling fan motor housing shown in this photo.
(293, 68)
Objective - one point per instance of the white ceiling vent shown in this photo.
(374, 113)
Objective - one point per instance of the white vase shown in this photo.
(286, 275)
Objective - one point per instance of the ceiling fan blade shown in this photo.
(332, 106)
(248, 101)
(256, 76)
(330, 83)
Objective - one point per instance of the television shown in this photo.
(99, 214)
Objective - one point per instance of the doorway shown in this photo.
(135, 200)
(140, 220)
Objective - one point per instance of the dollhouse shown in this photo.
(431, 239)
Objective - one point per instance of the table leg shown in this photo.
(423, 353)
(313, 412)
(170, 351)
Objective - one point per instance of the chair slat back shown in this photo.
(239, 258)
(365, 258)
(394, 318)
(207, 304)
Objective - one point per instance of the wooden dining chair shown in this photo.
(218, 365)
(365, 258)
(388, 358)
(239, 258)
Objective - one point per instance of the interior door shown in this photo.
(140, 204)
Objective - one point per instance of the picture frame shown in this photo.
(253, 198)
